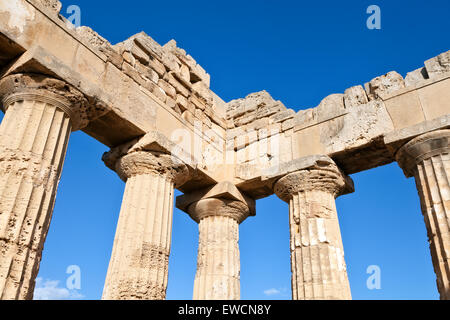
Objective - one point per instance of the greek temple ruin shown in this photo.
(153, 107)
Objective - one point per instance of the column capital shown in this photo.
(210, 207)
(41, 88)
(422, 147)
(148, 162)
(323, 176)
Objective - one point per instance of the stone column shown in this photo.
(138, 268)
(218, 262)
(317, 255)
(40, 113)
(427, 159)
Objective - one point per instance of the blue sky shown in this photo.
(300, 52)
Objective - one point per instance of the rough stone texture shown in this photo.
(74, 103)
(438, 65)
(33, 140)
(355, 96)
(414, 77)
(427, 159)
(317, 254)
(218, 266)
(384, 85)
(147, 98)
(53, 5)
(138, 267)
(253, 107)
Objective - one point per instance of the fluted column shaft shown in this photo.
(218, 261)
(317, 255)
(139, 262)
(427, 159)
(33, 141)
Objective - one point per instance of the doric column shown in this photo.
(138, 268)
(218, 262)
(40, 113)
(427, 159)
(317, 255)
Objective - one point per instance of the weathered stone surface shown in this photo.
(53, 5)
(218, 266)
(138, 267)
(385, 85)
(249, 105)
(317, 254)
(427, 158)
(136, 93)
(33, 141)
(438, 65)
(414, 77)
(330, 107)
(355, 96)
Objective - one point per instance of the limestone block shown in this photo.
(355, 96)
(157, 66)
(147, 72)
(128, 57)
(435, 99)
(270, 130)
(415, 77)
(305, 118)
(307, 142)
(168, 89)
(258, 124)
(182, 101)
(197, 102)
(287, 124)
(250, 104)
(148, 45)
(246, 119)
(199, 73)
(358, 127)
(99, 43)
(171, 103)
(133, 73)
(140, 54)
(185, 73)
(330, 107)
(53, 5)
(232, 133)
(438, 65)
(408, 103)
(188, 116)
(270, 111)
(283, 115)
(385, 85)
(169, 77)
(203, 91)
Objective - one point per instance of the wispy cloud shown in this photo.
(50, 290)
(271, 292)
(280, 293)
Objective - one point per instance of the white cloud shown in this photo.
(49, 290)
(271, 292)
